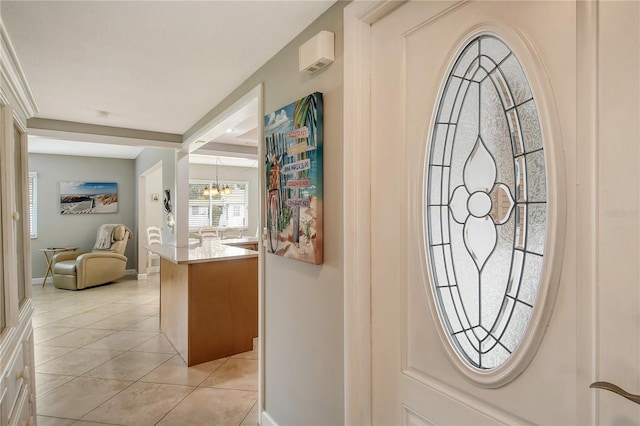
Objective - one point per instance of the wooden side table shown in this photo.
(48, 253)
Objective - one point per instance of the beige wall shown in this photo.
(57, 230)
(304, 303)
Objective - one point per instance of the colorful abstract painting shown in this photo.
(293, 165)
(88, 197)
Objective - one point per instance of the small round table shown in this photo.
(48, 253)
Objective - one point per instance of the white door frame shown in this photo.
(358, 18)
(143, 200)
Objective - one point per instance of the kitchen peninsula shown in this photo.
(209, 297)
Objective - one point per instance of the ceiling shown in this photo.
(147, 65)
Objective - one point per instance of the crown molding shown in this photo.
(14, 88)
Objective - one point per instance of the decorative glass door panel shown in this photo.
(486, 204)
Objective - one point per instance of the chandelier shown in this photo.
(216, 188)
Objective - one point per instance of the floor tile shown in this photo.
(252, 418)
(48, 318)
(117, 322)
(112, 309)
(247, 355)
(81, 320)
(129, 366)
(176, 372)
(140, 299)
(147, 324)
(47, 382)
(159, 344)
(53, 421)
(77, 362)
(209, 406)
(45, 354)
(122, 340)
(80, 307)
(235, 374)
(148, 310)
(125, 315)
(78, 397)
(77, 338)
(140, 404)
(47, 332)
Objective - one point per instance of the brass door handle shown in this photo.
(616, 389)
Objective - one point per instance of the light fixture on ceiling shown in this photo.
(216, 188)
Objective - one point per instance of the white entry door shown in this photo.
(581, 62)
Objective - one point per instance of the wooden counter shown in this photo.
(209, 308)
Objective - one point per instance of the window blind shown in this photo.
(225, 211)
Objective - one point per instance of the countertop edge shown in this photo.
(191, 254)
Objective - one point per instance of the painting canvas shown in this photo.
(88, 197)
(293, 165)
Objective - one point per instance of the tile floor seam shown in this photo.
(82, 374)
(248, 412)
(74, 347)
(58, 356)
(56, 387)
(174, 407)
(80, 418)
(104, 402)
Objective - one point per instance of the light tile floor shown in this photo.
(102, 360)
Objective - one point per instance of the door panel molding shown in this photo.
(443, 393)
(410, 417)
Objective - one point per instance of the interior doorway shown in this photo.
(149, 213)
(233, 135)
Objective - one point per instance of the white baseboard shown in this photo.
(266, 420)
(131, 272)
(153, 270)
(142, 277)
(38, 281)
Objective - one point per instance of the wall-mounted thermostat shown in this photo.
(316, 53)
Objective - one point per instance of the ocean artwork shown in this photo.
(88, 197)
(293, 165)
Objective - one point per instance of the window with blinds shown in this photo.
(33, 204)
(224, 211)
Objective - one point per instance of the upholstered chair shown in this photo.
(76, 270)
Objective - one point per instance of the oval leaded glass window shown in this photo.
(486, 204)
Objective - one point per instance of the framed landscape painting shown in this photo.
(88, 197)
(293, 193)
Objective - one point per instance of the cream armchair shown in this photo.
(76, 270)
